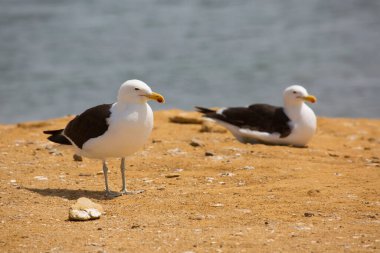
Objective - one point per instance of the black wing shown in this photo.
(91, 123)
(258, 117)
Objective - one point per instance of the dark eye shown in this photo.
(137, 89)
(294, 92)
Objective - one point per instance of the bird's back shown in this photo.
(257, 117)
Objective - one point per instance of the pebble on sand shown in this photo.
(196, 143)
(308, 214)
(185, 118)
(173, 175)
(77, 158)
(13, 182)
(175, 151)
(197, 217)
(41, 178)
(84, 209)
(53, 151)
(313, 192)
(226, 174)
(216, 205)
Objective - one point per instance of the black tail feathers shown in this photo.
(57, 137)
(204, 110)
(53, 132)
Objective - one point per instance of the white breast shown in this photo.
(304, 125)
(129, 128)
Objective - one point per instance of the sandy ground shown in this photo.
(240, 198)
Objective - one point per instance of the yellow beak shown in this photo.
(155, 96)
(310, 99)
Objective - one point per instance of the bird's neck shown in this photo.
(294, 110)
(123, 106)
(131, 100)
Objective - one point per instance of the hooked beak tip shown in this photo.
(155, 96)
(310, 98)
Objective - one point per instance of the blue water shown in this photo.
(61, 57)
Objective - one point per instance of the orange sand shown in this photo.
(244, 198)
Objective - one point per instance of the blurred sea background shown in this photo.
(61, 57)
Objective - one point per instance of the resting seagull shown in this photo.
(294, 124)
(112, 130)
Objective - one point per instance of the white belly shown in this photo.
(127, 132)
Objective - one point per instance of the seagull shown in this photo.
(112, 130)
(293, 124)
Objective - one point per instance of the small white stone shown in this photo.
(217, 205)
(246, 211)
(303, 226)
(41, 178)
(176, 151)
(210, 179)
(227, 174)
(79, 215)
(84, 209)
(94, 213)
(218, 158)
(147, 180)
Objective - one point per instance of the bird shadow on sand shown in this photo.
(275, 145)
(69, 194)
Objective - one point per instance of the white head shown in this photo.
(296, 95)
(136, 91)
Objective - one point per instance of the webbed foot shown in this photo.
(112, 194)
(125, 192)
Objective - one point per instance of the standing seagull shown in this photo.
(112, 130)
(294, 124)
